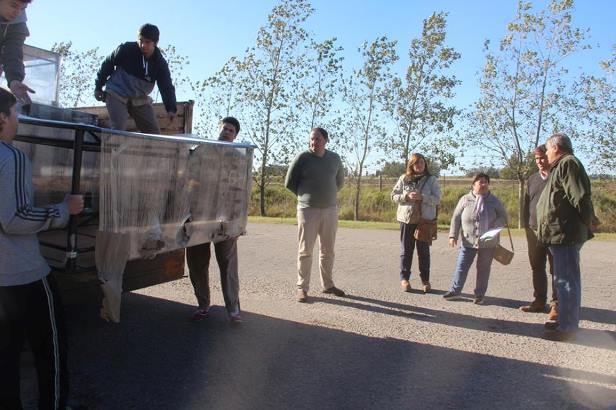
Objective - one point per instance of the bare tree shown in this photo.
(420, 102)
(77, 73)
(523, 89)
(363, 95)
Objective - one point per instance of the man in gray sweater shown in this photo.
(29, 308)
(315, 176)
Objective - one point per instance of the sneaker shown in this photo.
(426, 286)
(553, 315)
(335, 291)
(535, 307)
(451, 295)
(302, 296)
(478, 300)
(406, 285)
(235, 317)
(199, 315)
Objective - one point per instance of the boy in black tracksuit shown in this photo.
(29, 308)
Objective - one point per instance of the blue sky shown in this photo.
(210, 32)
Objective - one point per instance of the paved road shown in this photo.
(378, 348)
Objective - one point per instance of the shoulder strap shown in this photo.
(510, 240)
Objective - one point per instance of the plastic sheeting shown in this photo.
(153, 194)
(169, 193)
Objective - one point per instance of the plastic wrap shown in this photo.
(169, 193)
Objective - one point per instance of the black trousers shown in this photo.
(32, 312)
(539, 255)
(407, 248)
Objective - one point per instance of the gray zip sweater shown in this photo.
(12, 36)
(21, 261)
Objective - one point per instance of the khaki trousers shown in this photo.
(313, 222)
(119, 109)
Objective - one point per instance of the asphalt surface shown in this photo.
(377, 348)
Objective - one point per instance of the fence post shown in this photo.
(380, 182)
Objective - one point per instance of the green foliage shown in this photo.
(376, 205)
(491, 171)
(598, 111)
(363, 92)
(524, 95)
(77, 73)
(420, 102)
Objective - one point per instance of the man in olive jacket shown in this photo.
(565, 218)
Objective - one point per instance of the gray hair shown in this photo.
(561, 141)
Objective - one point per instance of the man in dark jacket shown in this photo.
(565, 219)
(538, 253)
(129, 74)
(13, 33)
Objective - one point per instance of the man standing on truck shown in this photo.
(29, 307)
(198, 257)
(13, 33)
(129, 74)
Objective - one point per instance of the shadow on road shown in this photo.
(157, 359)
(588, 337)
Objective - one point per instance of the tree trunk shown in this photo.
(357, 191)
(521, 191)
(262, 189)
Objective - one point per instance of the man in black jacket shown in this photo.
(129, 74)
(538, 253)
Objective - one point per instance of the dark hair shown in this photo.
(233, 121)
(540, 150)
(322, 132)
(410, 171)
(149, 31)
(7, 100)
(562, 141)
(480, 175)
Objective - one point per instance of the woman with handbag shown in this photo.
(476, 213)
(417, 194)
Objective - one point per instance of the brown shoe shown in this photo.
(426, 286)
(553, 315)
(302, 296)
(406, 285)
(534, 307)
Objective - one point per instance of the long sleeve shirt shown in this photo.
(315, 180)
(21, 261)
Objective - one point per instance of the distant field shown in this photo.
(376, 204)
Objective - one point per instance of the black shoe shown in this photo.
(478, 300)
(451, 295)
(551, 325)
(558, 335)
(335, 291)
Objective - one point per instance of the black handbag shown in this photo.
(502, 254)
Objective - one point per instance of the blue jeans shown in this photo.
(407, 247)
(463, 264)
(568, 284)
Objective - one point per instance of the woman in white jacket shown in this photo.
(417, 194)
